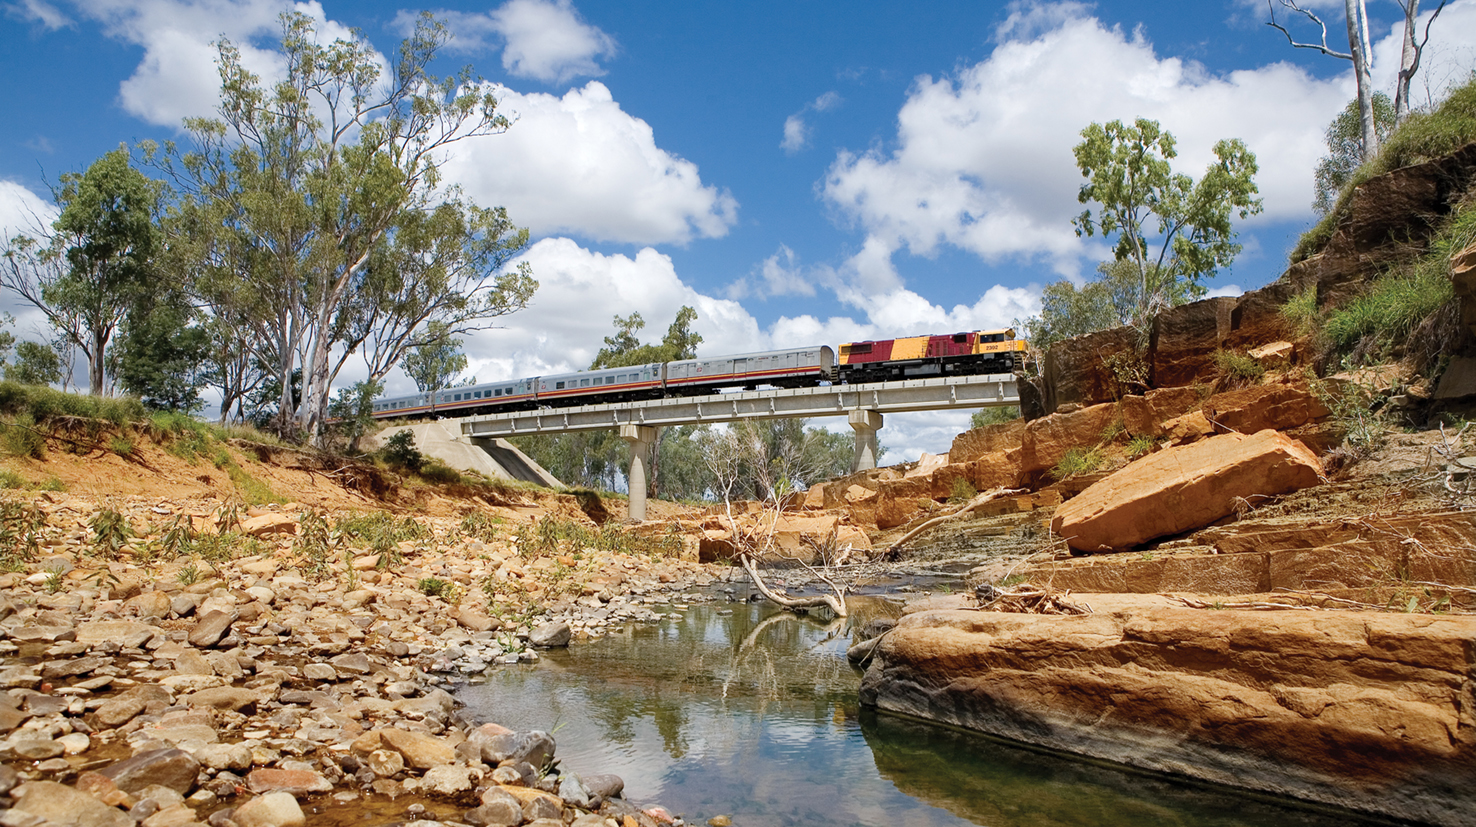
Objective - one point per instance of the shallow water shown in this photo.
(742, 711)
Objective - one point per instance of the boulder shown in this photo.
(269, 525)
(148, 604)
(1279, 405)
(55, 803)
(551, 635)
(169, 767)
(1182, 488)
(419, 750)
(979, 442)
(477, 621)
(275, 809)
(1145, 415)
(126, 633)
(1048, 439)
(1355, 709)
(448, 779)
(231, 698)
(296, 782)
(211, 627)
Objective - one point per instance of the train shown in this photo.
(958, 354)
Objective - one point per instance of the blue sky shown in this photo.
(799, 172)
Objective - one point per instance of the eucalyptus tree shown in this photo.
(301, 183)
(1172, 231)
(433, 365)
(85, 269)
(1355, 14)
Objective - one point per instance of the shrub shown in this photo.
(1078, 461)
(20, 437)
(435, 471)
(436, 587)
(110, 532)
(1240, 368)
(399, 451)
(122, 446)
(961, 491)
(10, 479)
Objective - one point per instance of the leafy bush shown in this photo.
(400, 452)
(110, 532)
(20, 533)
(962, 491)
(481, 526)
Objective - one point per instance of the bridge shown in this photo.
(864, 405)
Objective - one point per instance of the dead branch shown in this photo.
(970, 506)
(836, 603)
(1027, 599)
(1323, 47)
(1252, 605)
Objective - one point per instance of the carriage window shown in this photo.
(558, 386)
(584, 383)
(507, 392)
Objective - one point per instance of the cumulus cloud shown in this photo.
(177, 76)
(581, 164)
(797, 130)
(777, 275)
(543, 40)
(982, 160)
(548, 41)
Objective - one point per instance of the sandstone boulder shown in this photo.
(1145, 415)
(979, 442)
(1280, 405)
(1184, 340)
(1048, 439)
(270, 525)
(1183, 488)
(51, 803)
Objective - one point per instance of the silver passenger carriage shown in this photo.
(795, 367)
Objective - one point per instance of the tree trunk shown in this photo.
(95, 362)
(1363, 72)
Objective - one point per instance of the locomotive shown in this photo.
(958, 354)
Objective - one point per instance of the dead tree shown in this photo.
(1358, 53)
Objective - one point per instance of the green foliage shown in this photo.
(20, 437)
(1352, 407)
(252, 490)
(1385, 316)
(110, 532)
(1078, 461)
(35, 364)
(479, 525)
(1300, 311)
(1241, 368)
(345, 226)
(962, 491)
(122, 445)
(435, 362)
(381, 532)
(226, 545)
(994, 416)
(1344, 139)
(314, 544)
(183, 435)
(189, 574)
(624, 348)
(436, 587)
(177, 536)
(20, 533)
(439, 473)
(1140, 445)
(353, 410)
(162, 351)
(10, 479)
(44, 403)
(1173, 231)
(399, 451)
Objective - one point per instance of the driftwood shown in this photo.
(836, 602)
(967, 508)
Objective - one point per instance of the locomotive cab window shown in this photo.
(960, 338)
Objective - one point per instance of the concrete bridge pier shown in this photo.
(640, 438)
(866, 423)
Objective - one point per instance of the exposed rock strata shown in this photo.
(1376, 712)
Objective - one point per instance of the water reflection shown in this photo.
(738, 710)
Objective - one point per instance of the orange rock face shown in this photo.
(1363, 710)
(1183, 488)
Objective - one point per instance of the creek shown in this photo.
(737, 709)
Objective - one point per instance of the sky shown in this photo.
(800, 173)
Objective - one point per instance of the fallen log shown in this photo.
(967, 508)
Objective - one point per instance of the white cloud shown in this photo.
(777, 275)
(544, 40)
(22, 211)
(581, 164)
(983, 159)
(797, 130)
(548, 41)
(41, 12)
(177, 77)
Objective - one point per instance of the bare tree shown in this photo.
(1358, 53)
(1409, 59)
